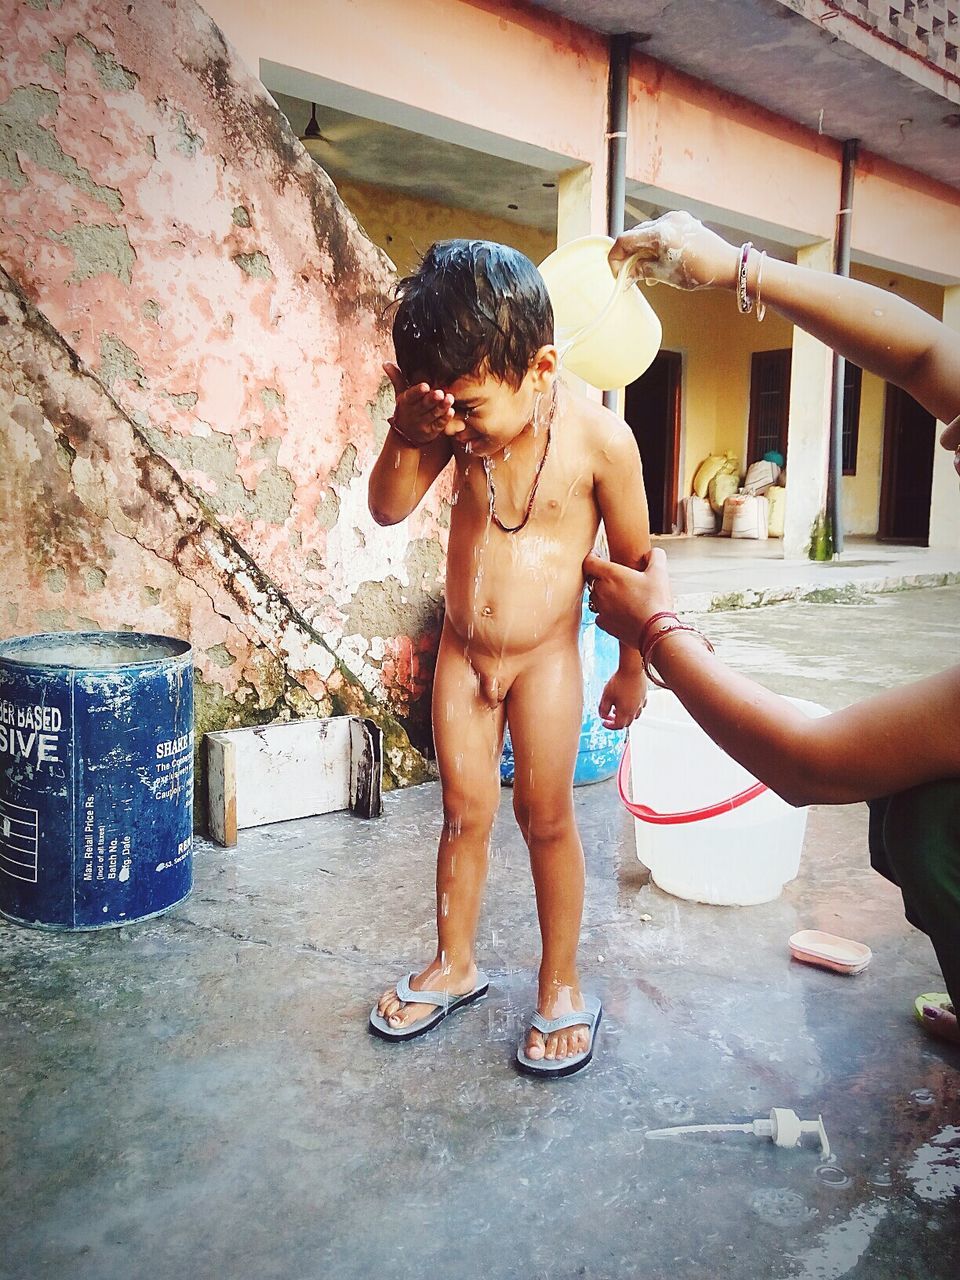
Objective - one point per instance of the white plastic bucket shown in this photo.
(742, 854)
(606, 330)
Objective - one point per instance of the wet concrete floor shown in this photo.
(198, 1095)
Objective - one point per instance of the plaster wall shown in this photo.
(809, 436)
(906, 220)
(519, 76)
(405, 227)
(690, 140)
(191, 260)
(687, 140)
(861, 492)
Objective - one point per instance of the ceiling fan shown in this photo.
(324, 145)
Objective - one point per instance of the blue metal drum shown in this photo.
(600, 749)
(96, 778)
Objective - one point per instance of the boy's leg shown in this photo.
(468, 736)
(544, 710)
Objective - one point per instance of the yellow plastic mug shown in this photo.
(606, 330)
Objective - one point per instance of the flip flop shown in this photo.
(446, 1004)
(589, 1016)
(933, 999)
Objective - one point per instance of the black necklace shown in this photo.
(491, 491)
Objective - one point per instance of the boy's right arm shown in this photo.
(416, 449)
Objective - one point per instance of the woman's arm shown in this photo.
(877, 330)
(895, 740)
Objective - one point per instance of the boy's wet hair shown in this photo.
(473, 306)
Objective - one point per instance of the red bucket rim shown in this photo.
(645, 814)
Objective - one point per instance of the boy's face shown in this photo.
(492, 413)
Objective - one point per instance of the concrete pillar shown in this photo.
(808, 434)
(580, 203)
(944, 499)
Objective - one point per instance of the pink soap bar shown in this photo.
(829, 951)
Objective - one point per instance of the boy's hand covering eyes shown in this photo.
(423, 413)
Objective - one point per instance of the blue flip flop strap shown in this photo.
(442, 998)
(585, 1017)
(407, 994)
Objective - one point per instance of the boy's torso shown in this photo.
(512, 592)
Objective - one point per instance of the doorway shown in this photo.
(909, 441)
(652, 411)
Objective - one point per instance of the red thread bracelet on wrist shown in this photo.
(406, 439)
(651, 674)
(664, 613)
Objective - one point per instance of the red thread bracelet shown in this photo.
(664, 613)
(406, 439)
(649, 671)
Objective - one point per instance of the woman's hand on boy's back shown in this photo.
(423, 413)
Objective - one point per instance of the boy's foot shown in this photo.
(401, 1014)
(558, 1044)
(937, 1015)
(588, 1018)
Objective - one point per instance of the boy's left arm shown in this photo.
(622, 500)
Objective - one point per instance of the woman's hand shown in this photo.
(423, 413)
(623, 599)
(678, 250)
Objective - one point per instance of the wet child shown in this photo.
(536, 470)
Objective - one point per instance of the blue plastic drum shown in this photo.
(600, 749)
(96, 778)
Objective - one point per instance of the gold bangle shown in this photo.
(743, 298)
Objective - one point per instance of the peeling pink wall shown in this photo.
(164, 220)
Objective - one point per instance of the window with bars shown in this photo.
(769, 403)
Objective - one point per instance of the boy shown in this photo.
(537, 468)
